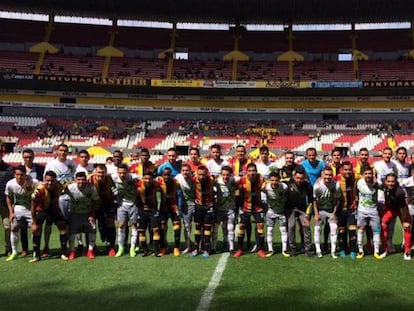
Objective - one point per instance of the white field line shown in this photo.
(214, 282)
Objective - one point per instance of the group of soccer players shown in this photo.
(131, 204)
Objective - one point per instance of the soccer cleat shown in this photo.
(377, 256)
(34, 260)
(72, 255)
(64, 257)
(342, 254)
(163, 251)
(13, 256)
(319, 254)
(186, 251)
(254, 249)
(293, 253)
(120, 252)
(360, 255)
(384, 254)
(194, 254)
(261, 253)
(333, 255)
(146, 252)
(132, 252)
(111, 253)
(238, 253)
(407, 256)
(285, 254)
(206, 255)
(160, 254)
(137, 248)
(23, 254)
(353, 255)
(45, 252)
(269, 254)
(90, 254)
(176, 252)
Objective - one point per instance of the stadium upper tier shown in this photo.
(385, 53)
(92, 66)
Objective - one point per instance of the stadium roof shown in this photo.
(227, 11)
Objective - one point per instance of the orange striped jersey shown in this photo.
(250, 190)
(43, 199)
(147, 195)
(204, 191)
(104, 188)
(169, 193)
(239, 166)
(139, 168)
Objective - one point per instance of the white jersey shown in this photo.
(408, 185)
(21, 195)
(214, 167)
(265, 169)
(88, 169)
(65, 171)
(403, 170)
(383, 168)
(326, 195)
(367, 195)
(82, 201)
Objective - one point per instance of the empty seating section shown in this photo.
(78, 44)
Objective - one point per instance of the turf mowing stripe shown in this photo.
(214, 282)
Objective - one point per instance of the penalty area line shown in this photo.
(214, 282)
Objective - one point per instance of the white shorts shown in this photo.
(272, 218)
(23, 217)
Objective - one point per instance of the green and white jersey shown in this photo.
(276, 198)
(326, 196)
(188, 189)
(82, 201)
(225, 193)
(126, 191)
(367, 195)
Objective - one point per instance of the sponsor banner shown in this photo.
(234, 84)
(278, 84)
(176, 83)
(17, 76)
(382, 84)
(335, 84)
(205, 109)
(75, 79)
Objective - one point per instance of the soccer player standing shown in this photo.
(276, 197)
(327, 196)
(366, 199)
(18, 198)
(150, 199)
(347, 223)
(250, 187)
(80, 198)
(126, 197)
(45, 205)
(395, 206)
